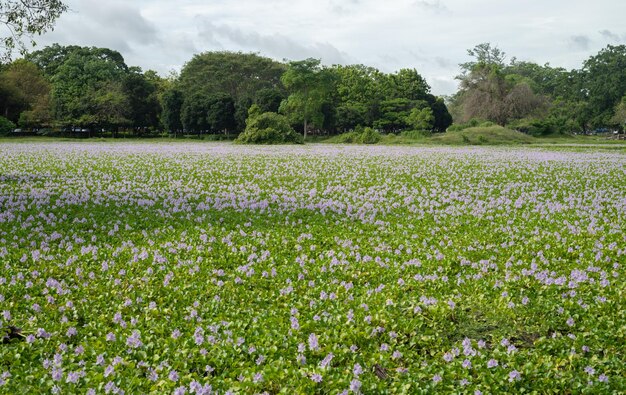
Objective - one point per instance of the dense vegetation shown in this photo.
(91, 91)
(179, 268)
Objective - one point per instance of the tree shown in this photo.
(23, 88)
(394, 114)
(604, 81)
(483, 54)
(78, 76)
(421, 118)
(406, 84)
(172, 102)
(221, 113)
(238, 75)
(26, 19)
(488, 92)
(443, 119)
(309, 86)
(141, 91)
(619, 117)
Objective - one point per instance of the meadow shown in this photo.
(321, 269)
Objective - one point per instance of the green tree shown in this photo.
(604, 80)
(23, 88)
(26, 19)
(221, 113)
(141, 91)
(239, 75)
(77, 76)
(172, 103)
(421, 118)
(619, 117)
(309, 85)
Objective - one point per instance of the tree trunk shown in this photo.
(305, 126)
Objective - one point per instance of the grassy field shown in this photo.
(318, 269)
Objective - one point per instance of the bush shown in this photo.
(348, 138)
(268, 128)
(6, 126)
(369, 136)
(472, 123)
(416, 134)
(359, 135)
(533, 127)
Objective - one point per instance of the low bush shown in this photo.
(269, 128)
(369, 136)
(416, 134)
(6, 126)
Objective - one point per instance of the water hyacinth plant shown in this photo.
(220, 269)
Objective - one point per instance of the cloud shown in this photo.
(434, 6)
(275, 45)
(609, 35)
(579, 42)
(115, 25)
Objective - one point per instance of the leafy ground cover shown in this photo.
(213, 268)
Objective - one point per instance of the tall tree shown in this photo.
(238, 75)
(309, 85)
(172, 102)
(604, 79)
(23, 88)
(23, 18)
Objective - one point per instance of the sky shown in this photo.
(431, 36)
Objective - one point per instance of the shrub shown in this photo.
(416, 134)
(268, 128)
(533, 127)
(348, 138)
(472, 123)
(6, 126)
(369, 136)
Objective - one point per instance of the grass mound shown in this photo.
(483, 135)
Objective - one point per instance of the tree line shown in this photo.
(73, 89)
(541, 99)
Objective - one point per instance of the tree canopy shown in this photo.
(26, 19)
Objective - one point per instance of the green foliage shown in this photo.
(416, 134)
(268, 128)
(472, 123)
(534, 127)
(421, 119)
(309, 86)
(359, 135)
(369, 136)
(6, 126)
(172, 103)
(26, 19)
(483, 135)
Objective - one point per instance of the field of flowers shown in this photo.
(212, 268)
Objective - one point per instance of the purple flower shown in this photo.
(326, 360)
(570, 321)
(173, 376)
(355, 385)
(436, 378)
(492, 363)
(514, 375)
(313, 342)
(316, 377)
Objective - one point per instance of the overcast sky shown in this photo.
(430, 35)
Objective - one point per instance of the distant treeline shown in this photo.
(87, 90)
